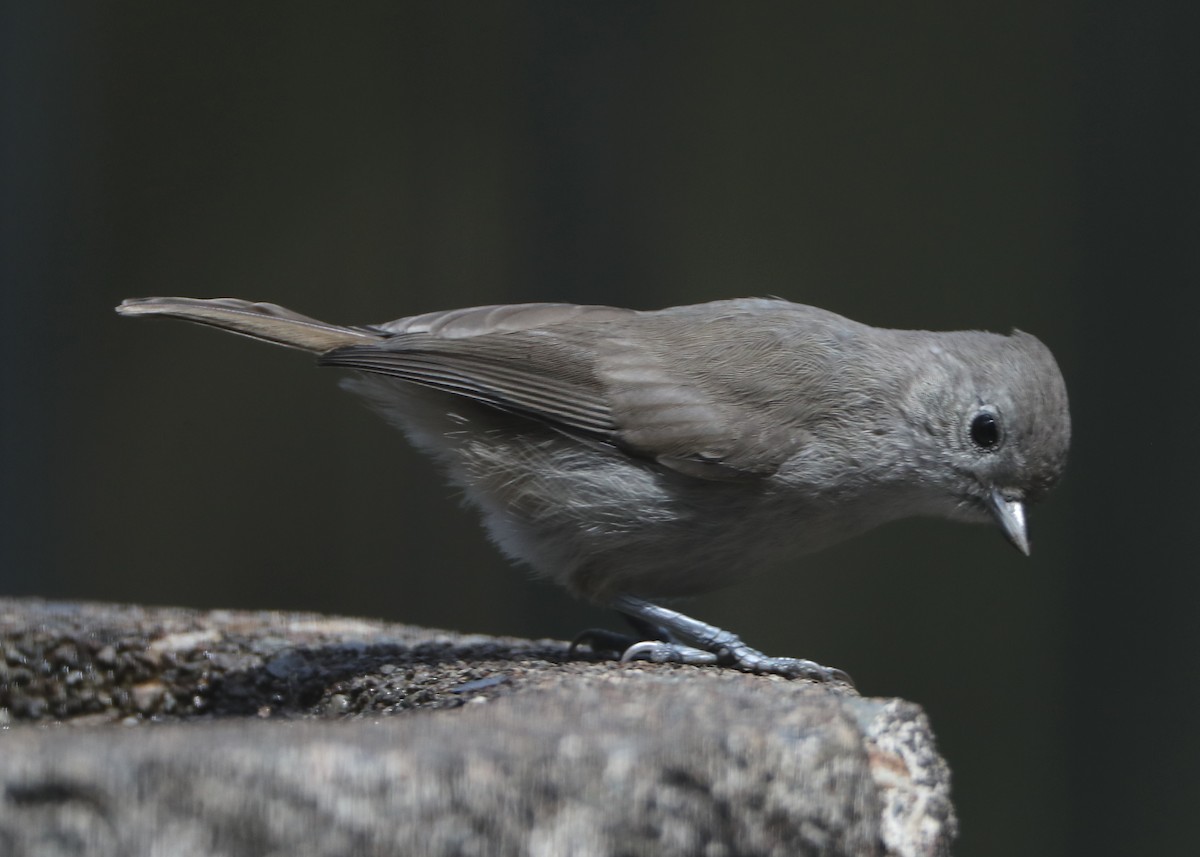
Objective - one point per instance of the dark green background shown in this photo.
(1023, 164)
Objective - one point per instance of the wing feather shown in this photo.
(571, 400)
(651, 384)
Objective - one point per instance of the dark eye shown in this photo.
(985, 430)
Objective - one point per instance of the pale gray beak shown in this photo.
(1010, 514)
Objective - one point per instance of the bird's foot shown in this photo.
(683, 640)
(733, 653)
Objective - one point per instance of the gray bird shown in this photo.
(642, 455)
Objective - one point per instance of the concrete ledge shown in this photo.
(224, 732)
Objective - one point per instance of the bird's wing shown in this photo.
(516, 373)
(570, 368)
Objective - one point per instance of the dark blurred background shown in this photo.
(947, 166)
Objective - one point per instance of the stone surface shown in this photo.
(134, 730)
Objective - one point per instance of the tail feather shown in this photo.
(268, 322)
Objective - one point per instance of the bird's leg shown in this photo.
(689, 641)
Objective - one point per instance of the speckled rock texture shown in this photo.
(130, 731)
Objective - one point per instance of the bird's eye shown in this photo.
(985, 430)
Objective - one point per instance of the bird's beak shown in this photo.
(1010, 514)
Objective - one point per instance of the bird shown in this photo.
(638, 456)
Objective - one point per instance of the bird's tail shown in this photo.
(268, 322)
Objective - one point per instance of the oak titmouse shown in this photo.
(637, 455)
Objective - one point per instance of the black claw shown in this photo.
(841, 675)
